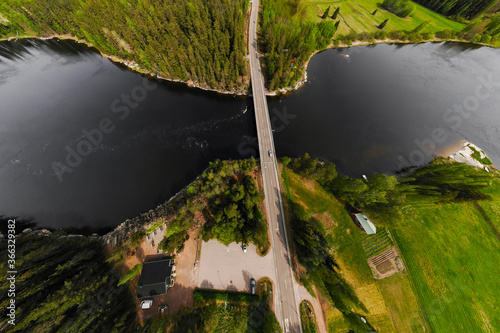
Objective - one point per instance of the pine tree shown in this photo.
(383, 24)
(336, 13)
(337, 25)
(325, 14)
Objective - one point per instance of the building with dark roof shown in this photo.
(156, 277)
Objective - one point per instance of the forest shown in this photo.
(229, 199)
(63, 284)
(196, 40)
(467, 9)
(222, 311)
(204, 42)
(289, 39)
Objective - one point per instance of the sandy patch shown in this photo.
(450, 149)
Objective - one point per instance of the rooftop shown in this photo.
(366, 224)
(155, 278)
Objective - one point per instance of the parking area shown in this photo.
(229, 268)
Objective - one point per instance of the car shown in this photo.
(252, 286)
(244, 248)
(270, 153)
(146, 303)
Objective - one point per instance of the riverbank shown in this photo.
(303, 80)
(130, 64)
(133, 66)
(163, 212)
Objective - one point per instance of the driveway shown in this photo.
(229, 268)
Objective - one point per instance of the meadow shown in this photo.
(450, 251)
(356, 16)
(345, 240)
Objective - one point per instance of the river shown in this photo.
(86, 142)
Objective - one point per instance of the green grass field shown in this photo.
(451, 254)
(346, 240)
(492, 208)
(356, 16)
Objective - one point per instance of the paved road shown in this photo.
(286, 305)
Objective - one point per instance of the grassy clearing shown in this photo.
(452, 256)
(155, 226)
(346, 240)
(492, 208)
(223, 296)
(356, 16)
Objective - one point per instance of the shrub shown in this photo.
(136, 238)
(174, 242)
(130, 274)
(401, 8)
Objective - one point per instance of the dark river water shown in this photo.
(85, 142)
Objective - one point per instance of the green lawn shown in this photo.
(452, 256)
(346, 240)
(492, 208)
(450, 251)
(356, 16)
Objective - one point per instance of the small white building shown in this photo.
(365, 224)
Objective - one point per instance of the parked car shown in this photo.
(244, 248)
(252, 286)
(146, 303)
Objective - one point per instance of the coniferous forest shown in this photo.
(458, 8)
(196, 40)
(202, 41)
(63, 284)
(288, 40)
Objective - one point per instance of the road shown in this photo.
(286, 305)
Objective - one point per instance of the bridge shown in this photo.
(285, 301)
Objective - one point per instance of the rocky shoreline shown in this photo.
(465, 154)
(130, 64)
(133, 66)
(165, 211)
